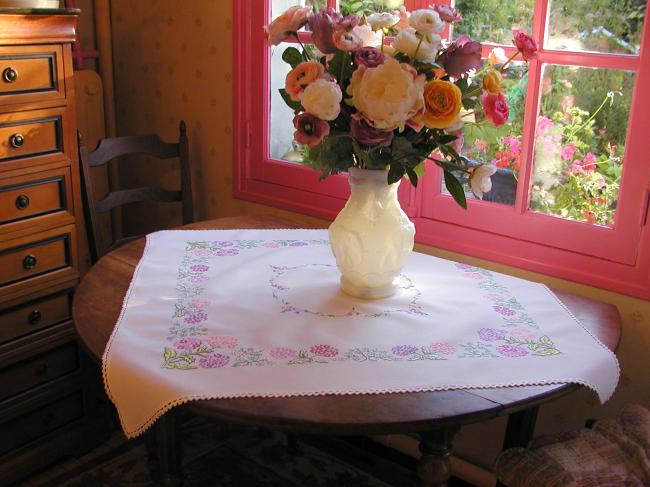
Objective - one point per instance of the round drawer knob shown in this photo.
(41, 370)
(17, 140)
(22, 202)
(29, 262)
(10, 75)
(34, 317)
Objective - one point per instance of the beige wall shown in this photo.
(173, 60)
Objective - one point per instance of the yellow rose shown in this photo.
(493, 82)
(443, 101)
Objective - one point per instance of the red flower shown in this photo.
(310, 130)
(526, 45)
(495, 108)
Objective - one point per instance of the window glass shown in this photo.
(279, 6)
(596, 25)
(365, 7)
(580, 142)
(492, 21)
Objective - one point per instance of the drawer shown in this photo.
(35, 315)
(40, 421)
(38, 369)
(23, 261)
(31, 73)
(30, 134)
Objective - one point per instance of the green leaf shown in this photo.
(413, 177)
(395, 173)
(361, 154)
(292, 56)
(293, 104)
(455, 189)
(341, 67)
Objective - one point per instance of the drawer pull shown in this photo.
(41, 370)
(34, 317)
(29, 262)
(10, 75)
(17, 141)
(22, 202)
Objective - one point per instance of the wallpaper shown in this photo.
(173, 60)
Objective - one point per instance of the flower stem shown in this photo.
(417, 49)
(304, 50)
(575, 131)
(503, 66)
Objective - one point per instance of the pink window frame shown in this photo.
(615, 258)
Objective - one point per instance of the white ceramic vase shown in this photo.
(371, 237)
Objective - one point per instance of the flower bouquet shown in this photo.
(377, 96)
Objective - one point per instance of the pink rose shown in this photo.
(446, 13)
(290, 21)
(310, 130)
(495, 107)
(462, 55)
(346, 40)
(526, 45)
(589, 162)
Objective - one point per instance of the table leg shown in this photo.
(164, 450)
(433, 468)
(520, 430)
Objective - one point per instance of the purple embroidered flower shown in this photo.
(270, 245)
(226, 252)
(282, 353)
(196, 318)
(443, 348)
(511, 350)
(198, 279)
(222, 243)
(324, 350)
(503, 310)
(463, 266)
(198, 303)
(200, 268)
(187, 343)
(473, 275)
(491, 334)
(214, 361)
(222, 341)
(404, 350)
(298, 244)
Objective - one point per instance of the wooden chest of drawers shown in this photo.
(47, 389)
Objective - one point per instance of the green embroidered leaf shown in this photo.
(455, 189)
(169, 354)
(545, 340)
(292, 56)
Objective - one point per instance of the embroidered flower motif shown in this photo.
(197, 279)
(196, 318)
(491, 334)
(187, 343)
(198, 303)
(226, 252)
(282, 353)
(503, 310)
(473, 275)
(270, 245)
(324, 351)
(202, 252)
(443, 348)
(493, 297)
(222, 341)
(463, 266)
(200, 268)
(222, 243)
(297, 244)
(404, 350)
(511, 350)
(523, 333)
(214, 361)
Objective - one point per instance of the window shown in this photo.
(575, 142)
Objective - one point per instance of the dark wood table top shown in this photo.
(99, 298)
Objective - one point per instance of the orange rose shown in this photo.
(493, 82)
(300, 76)
(443, 101)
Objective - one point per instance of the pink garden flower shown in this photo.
(446, 13)
(462, 55)
(543, 124)
(290, 21)
(495, 107)
(589, 162)
(526, 45)
(568, 151)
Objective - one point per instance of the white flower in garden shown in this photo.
(322, 98)
(388, 95)
(382, 20)
(408, 42)
(369, 38)
(479, 180)
(426, 22)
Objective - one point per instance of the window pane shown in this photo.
(279, 6)
(365, 7)
(580, 142)
(596, 25)
(493, 20)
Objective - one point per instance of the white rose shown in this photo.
(382, 20)
(426, 22)
(322, 98)
(369, 38)
(387, 95)
(407, 42)
(479, 181)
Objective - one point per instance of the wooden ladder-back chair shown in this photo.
(109, 149)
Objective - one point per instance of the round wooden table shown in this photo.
(436, 416)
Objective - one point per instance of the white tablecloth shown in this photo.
(244, 313)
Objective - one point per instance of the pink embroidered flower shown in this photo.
(214, 361)
(226, 252)
(491, 334)
(404, 350)
(187, 343)
(463, 266)
(474, 276)
(523, 333)
(198, 279)
(282, 353)
(443, 348)
(270, 245)
(324, 350)
(200, 268)
(196, 318)
(198, 303)
(511, 350)
(503, 310)
(202, 252)
(494, 297)
(222, 341)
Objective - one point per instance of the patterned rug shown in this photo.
(216, 455)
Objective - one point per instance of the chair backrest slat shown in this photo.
(123, 197)
(150, 144)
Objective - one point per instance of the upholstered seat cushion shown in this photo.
(615, 452)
